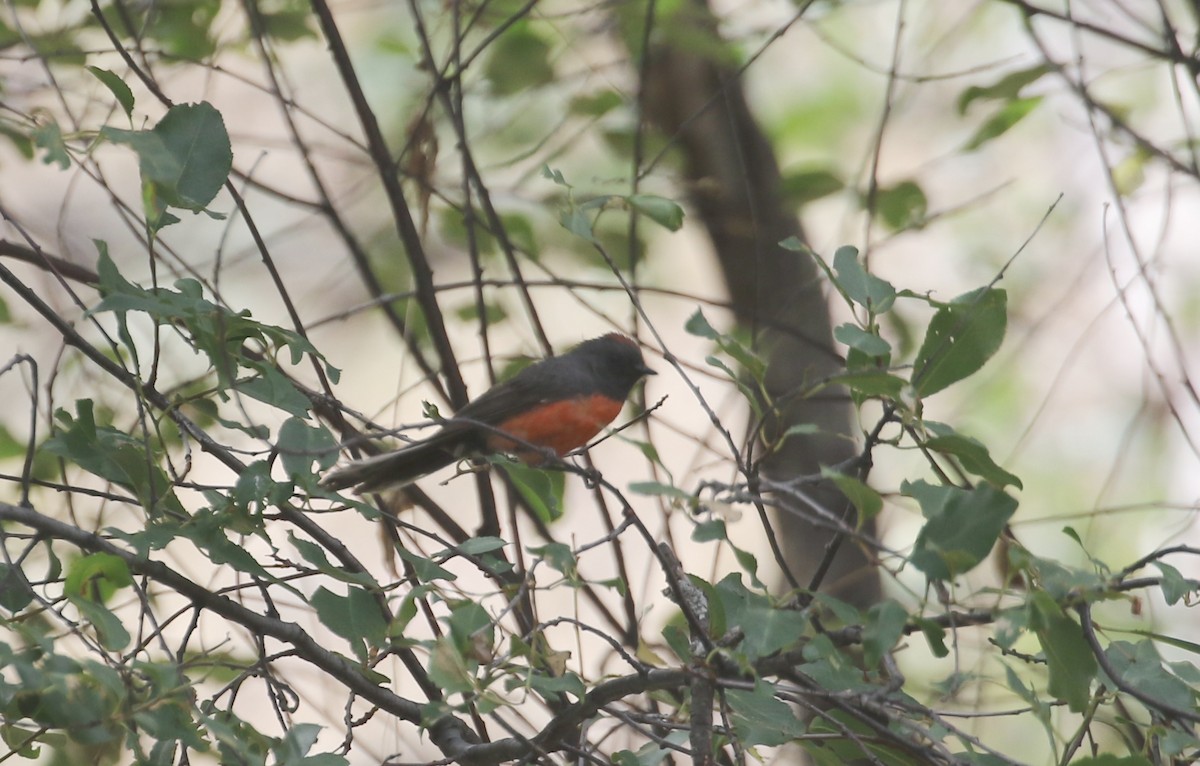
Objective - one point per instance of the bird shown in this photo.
(555, 405)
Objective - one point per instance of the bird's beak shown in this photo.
(647, 371)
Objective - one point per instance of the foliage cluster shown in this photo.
(175, 577)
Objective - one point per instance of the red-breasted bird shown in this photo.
(557, 405)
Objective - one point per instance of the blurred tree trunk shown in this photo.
(734, 184)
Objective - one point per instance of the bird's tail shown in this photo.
(391, 469)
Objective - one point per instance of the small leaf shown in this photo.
(109, 630)
(50, 138)
(1069, 659)
(273, 387)
(1140, 666)
(698, 325)
(448, 668)
(1006, 88)
(471, 628)
(872, 383)
(355, 617)
(961, 528)
(935, 635)
(542, 490)
(595, 104)
(116, 86)
(1002, 121)
(768, 628)
(664, 212)
(708, 531)
(424, 569)
(760, 718)
(1108, 759)
(961, 337)
(519, 61)
(903, 206)
(97, 576)
(315, 555)
(661, 490)
(559, 556)
(867, 290)
(800, 187)
(884, 627)
(299, 444)
(971, 454)
(857, 338)
(866, 500)
(478, 546)
(1174, 585)
(578, 223)
(15, 591)
(184, 160)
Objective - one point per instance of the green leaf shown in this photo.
(903, 206)
(97, 576)
(471, 627)
(697, 324)
(272, 387)
(961, 337)
(656, 488)
(884, 627)
(116, 86)
(872, 383)
(867, 342)
(109, 630)
(649, 754)
(183, 29)
(1174, 585)
(519, 61)
(255, 490)
(800, 187)
(935, 635)
(578, 222)
(50, 138)
(1140, 666)
(760, 718)
(866, 500)
(292, 749)
(1002, 121)
(299, 444)
(478, 546)
(1069, 659)
(113, 456)
(355, 617)
(559, 556)
(448, 668)
(961, 528)
(184, 160)
(424, 569)
(768, 629)
(867, 290)
(315, 555)
(215, 330)
(208, 531)
(542, 490)
(595, 104)
(15, 591)
(1108, 759)
(971, 454)
(288, 25)
(552, 686)
(666, 213)
(1006, 88)
(709, 531)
